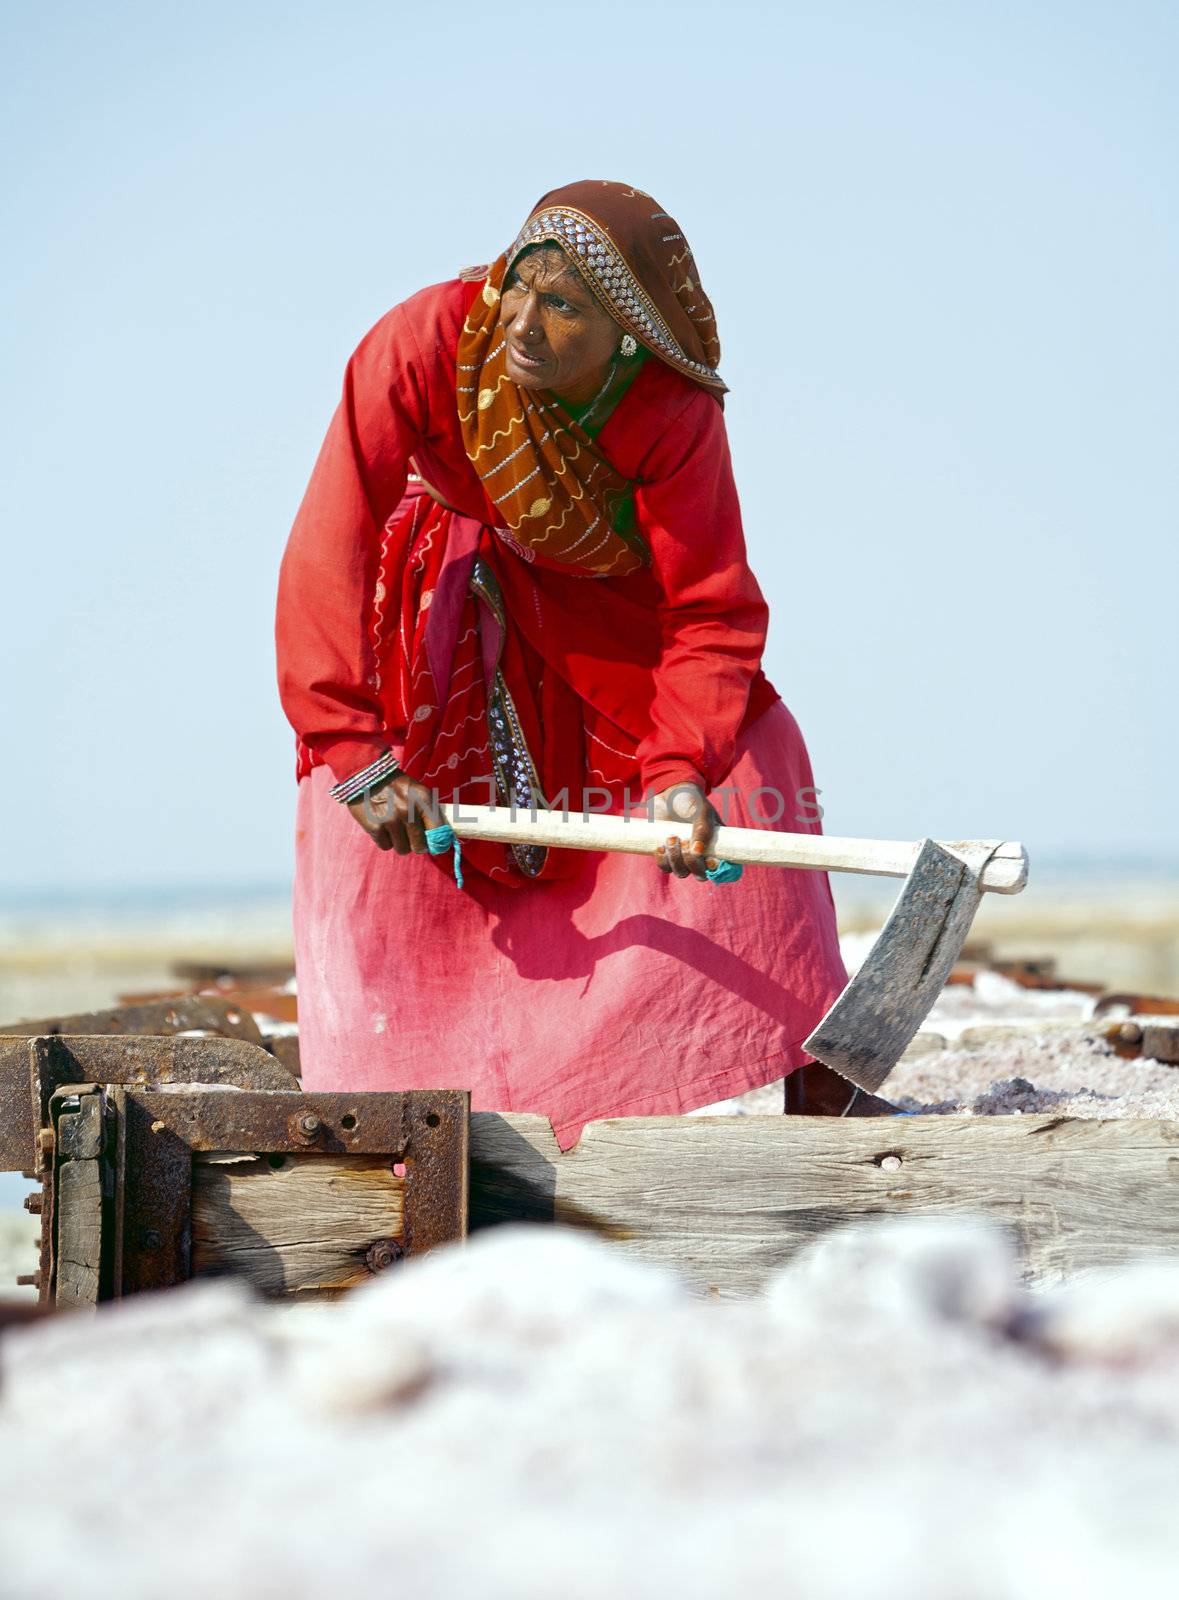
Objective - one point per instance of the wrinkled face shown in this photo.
(558, 336)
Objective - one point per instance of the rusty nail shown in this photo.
(305, 1127)
(1130, 1033)
(28, 1280)
(33, 1202)
(384, 1253)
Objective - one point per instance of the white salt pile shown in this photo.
(538, 1416)
(1073, 1073)
(993, 1048)
(993, 999)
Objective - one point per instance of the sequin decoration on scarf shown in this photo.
(557, 493)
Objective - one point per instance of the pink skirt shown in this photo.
(620, 992)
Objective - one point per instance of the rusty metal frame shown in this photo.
(168, 1015)
(189, 1098)
(426, 1131)
(111, 1058)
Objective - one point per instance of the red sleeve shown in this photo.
(325, 674)
(713, 617)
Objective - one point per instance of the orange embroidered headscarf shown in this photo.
(555, 490)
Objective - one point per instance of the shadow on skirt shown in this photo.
(619, 992)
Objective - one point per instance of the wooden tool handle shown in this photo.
(1005, 873)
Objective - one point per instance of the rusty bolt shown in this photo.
(384, 1253)
(151, 1239)
(306, 1127)
(28, 1280)
(45, 1141)
(33, 1202)
(1130, 1033)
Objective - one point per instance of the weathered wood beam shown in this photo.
(727, 1200)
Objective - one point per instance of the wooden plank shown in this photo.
(727, 1200)
(306, 1225)
(79, 1234)
(79, 1205)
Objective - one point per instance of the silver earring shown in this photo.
(629, 345)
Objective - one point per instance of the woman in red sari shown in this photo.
(519, 570)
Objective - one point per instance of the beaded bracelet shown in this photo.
(385, 766)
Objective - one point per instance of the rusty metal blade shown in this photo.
(866, 1031)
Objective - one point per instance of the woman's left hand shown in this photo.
(686, 802)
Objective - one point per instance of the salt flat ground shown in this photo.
(19, 1234)
(60, 953)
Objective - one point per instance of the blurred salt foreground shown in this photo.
(534, 1414)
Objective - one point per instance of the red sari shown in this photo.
(613, 988)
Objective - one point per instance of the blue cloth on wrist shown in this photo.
(439, 840)
(443, 838)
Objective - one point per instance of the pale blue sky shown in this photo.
(942, 242)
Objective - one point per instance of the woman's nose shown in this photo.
(526, 323)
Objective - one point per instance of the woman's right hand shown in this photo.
(396, 814)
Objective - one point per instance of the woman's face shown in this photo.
(558, 336)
